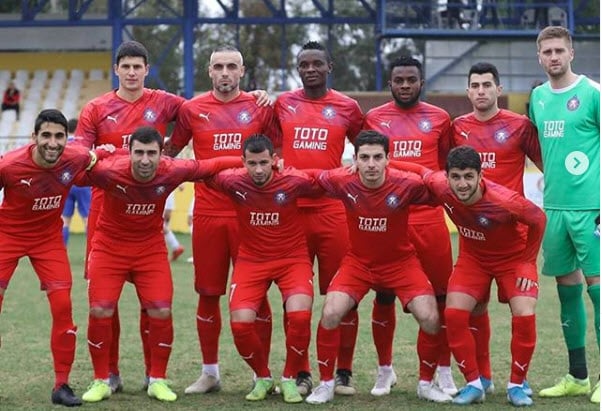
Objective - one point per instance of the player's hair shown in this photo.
(257, 143)
(554, 32)
(463, 157)
(226, 48)
(314, 45)
(146, 135)
(131, 48)
(71, 125)
(371, 137)
(406, 61)
(484, 68)
(49, 115)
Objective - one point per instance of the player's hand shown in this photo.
(279, 165)
(524, 284)
(352, 168)
(110, 148)
(262, 96)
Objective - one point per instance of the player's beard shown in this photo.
(406, 103)
(50, 156)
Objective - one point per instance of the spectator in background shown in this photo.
(11, 99)
(80, 196)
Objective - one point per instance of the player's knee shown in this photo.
(522, 306)
(385, 298)
(160, 313)
(479, 309)
(101, 312)
(331, 316)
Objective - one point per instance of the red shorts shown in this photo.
(472, 278)
(251, 281)
(433, 247)
(147, 267)
(404, 278)
(327, 239)
(48, 258)
(214, 245)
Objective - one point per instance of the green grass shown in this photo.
(26, 368)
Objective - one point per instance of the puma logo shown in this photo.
(386, 124)
(122, 188)
(292, 108)
(241, 195)
(26, 182)
(113, 119)
(465, 134)
(352, 197)
(205, 116)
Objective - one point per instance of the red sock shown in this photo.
(383, 331)
(144, 331)
(62, 334)
(114, 346)
(263, 325)
(209, 327)
(249, 347)
(99, 333)
(328, 348)
(522, 345)
(428, 348)
(297, 342)
(461, 342)
(481, 332)
(160, 339)
(348, 328)
(444, 351)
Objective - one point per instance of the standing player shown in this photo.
(36, 179)
(136, 187)
(110, 119)
(493, 245)
(504, 140)
(566, 111)
(272, 249)
(315, 121)
(418, 132)
(78, 196)
(380, 257)
(218, 122)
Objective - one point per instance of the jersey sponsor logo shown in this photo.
(292, 109)
(373, 224)
(244, 117)
(573, 103)
(501, 136)
(26, 182)
(280, 197)
(407, 148)
(264, 219)
(392, 201)
(329, 113)
(425, 125)
(465, 134)
(46, 203)
(125, 141)
(553, 128)
(310, 138)
(112, 118)
(472, 234)
(149, 115)
(140, 208)
(204, 116)
(227, 141)
(66, 177)
(487, 159)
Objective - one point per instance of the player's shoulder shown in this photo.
(387, 107)
(499, 194)
(17, 154)
(158, 94)
(395, 174)
(511, 116)
(197, 100)
(588, 82)
(432, 109)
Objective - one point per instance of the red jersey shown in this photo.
(314, 130)
(132, 211)
(489, 229)
(109, 119)
(420, 134)
(502, 142)
(34, 197)
(377, 217)
(219, 129)
(268, 219)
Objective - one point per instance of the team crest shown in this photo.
(573, 103)
(483, 221)
(425, 125)
(392, 201)
(501, 136)
(66, 177)
(244, 117)
(329, 113)
(160, 190)
(149, 115)
(280, 197)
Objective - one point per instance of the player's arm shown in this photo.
(444, 144)
(206, 168)
(181, 135)
(410, 167)
(85, 133)
(356, 123)
(262, 98)
(530, 145)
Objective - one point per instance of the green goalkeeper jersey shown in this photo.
(568, 124)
